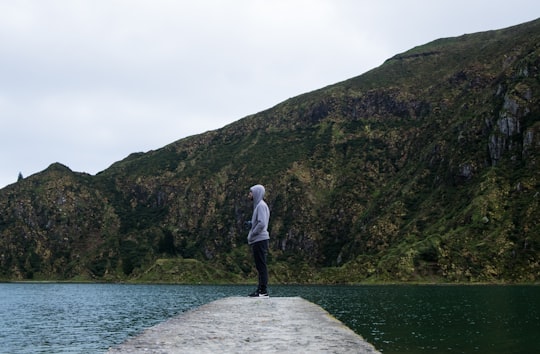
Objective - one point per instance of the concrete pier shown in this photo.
(246, 325)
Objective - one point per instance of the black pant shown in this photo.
(260, 251)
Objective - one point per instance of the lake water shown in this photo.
(90, 318)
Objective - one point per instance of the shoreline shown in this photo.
(379, 283)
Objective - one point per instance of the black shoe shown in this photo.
(258, 293)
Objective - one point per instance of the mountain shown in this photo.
(423, 169)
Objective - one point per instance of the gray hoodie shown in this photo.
(260, 218)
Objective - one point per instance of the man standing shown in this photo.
(258, 237)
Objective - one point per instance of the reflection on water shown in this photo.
(68, 318)
(440, 319)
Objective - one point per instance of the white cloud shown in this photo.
(87, 82)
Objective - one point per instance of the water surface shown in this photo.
(90, 318)
(439, 319)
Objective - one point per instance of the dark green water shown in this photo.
(439, 319)
(89, 318)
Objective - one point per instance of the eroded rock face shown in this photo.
(507, 135)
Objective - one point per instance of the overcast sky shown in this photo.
(87, 82)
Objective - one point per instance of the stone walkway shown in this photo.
(250, 325)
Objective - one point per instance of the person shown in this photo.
(258, 237)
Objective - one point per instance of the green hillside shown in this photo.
(423, 169)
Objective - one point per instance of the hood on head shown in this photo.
(258, 193)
